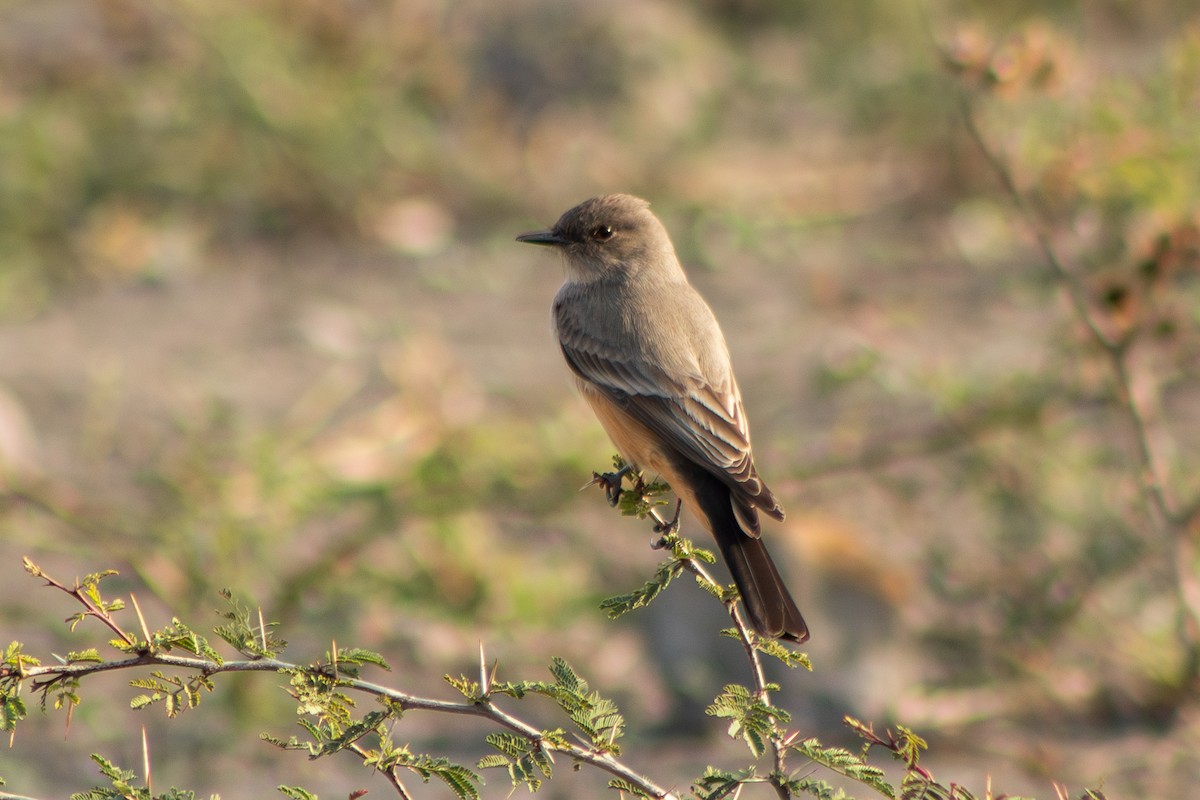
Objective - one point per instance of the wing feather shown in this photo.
(703, 422)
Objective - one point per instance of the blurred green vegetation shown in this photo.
(278, 237)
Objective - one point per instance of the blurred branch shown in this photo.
(1170, 520)
(1066, 277)
(934, 437)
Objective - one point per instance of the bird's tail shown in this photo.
(771, 608)
(768, 602)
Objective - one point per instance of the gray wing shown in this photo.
(703, 422)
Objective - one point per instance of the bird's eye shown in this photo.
(602, 233)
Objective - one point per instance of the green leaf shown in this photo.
(816, 787)
(752, 719)
(179, 636)
(247, 632)
(626, 788)
(527, 763)
(89, 656)
(776, 649)
(12, 711)
(921, 787)
(123, 789)
(296, 793)
(176, 693)
(143, 700)
(622, 604)
(469, 689)
(462, 781)
(845, 763)
(909, 746)
(565, 676)
(316, 694)
(716, 784)
(596, 716)
(91, 582)
(354, 731)
(359, 656)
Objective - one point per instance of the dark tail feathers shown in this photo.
(772, 610)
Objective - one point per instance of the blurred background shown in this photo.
(263, 326)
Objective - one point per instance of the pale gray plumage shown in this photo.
(649, 356)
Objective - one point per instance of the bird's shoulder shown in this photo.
(664, 326)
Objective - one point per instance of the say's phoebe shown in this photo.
(649, 357)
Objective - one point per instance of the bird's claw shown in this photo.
(611, 481)
(667, 527)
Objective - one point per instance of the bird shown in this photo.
(649, 357)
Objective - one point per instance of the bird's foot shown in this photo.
(611, 481)
(667, 527)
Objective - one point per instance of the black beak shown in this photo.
(546, 237)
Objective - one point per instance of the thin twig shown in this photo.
(1075, 292)
(90, 608)
(390, 774)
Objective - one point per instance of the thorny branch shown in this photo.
(409, 702)
(43, 676)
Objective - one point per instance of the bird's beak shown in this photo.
(546, 237)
